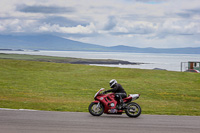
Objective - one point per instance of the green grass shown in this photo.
(70, 87)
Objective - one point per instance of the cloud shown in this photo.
(62, 21)
(44, 9)
(112, 22)
(79, 29)
(180, 28)
(147, 1)
(196, 11)
(147, 23)
(14, 25)
(131, 28)
(188, 13)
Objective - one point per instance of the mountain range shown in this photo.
(55, 43)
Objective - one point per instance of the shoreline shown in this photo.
(70, 60)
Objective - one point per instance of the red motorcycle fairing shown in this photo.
(109, 103)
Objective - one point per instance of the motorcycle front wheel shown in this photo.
(96, 109)
(133, 110)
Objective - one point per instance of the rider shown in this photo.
(119, 91)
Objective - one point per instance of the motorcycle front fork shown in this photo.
(98, 105)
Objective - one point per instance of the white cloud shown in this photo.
(138, 27)
(16, 25)
(179, 27)
(79, 29)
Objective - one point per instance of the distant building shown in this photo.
(195, 65)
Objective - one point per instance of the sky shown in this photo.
(136, 23)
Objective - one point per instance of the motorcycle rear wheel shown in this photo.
(133, 110)
(94, 110)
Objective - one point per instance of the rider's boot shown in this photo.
(121, 105)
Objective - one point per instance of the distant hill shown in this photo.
(50, 42)
(44, 42)
(187, 50)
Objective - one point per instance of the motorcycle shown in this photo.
(106, 103)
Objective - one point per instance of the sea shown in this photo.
(159, 61)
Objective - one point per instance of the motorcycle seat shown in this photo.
(129, 97)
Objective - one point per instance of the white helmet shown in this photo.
(113, 82)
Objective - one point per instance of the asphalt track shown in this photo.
(23, 121)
